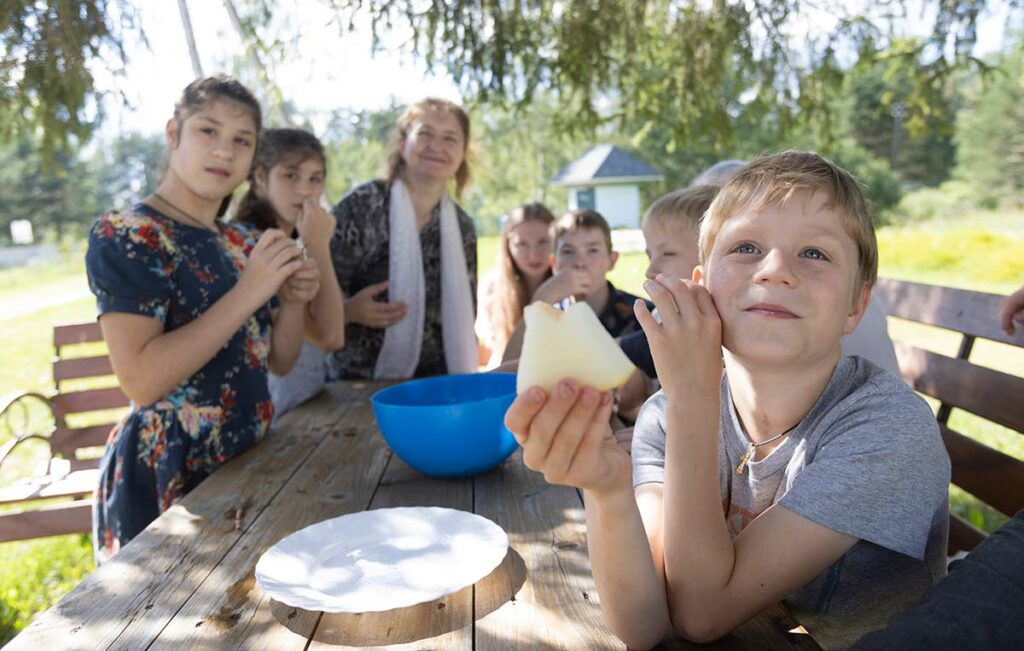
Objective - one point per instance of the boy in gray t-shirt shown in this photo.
(794, 475)
(847, 465)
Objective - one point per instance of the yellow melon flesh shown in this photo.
(570, 344)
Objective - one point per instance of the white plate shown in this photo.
(382, 559)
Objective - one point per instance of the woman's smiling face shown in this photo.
(434, 146)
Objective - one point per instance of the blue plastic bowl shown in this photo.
(450, 425)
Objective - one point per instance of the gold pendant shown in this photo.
(742, 465)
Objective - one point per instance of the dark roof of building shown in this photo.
(605, 163)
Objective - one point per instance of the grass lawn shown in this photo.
(966, 253)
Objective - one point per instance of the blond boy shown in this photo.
(798, 474)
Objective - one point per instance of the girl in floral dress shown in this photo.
(195, 311)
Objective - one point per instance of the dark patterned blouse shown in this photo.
(360, 254)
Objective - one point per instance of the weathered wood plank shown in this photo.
(557, 607)
(76, 333)
(67, 440)
(993, 477)
(55, 520)
(76, 484)
(228, 609)
(965, 311)
(993, 395)
(81, 367)
(441, 623)
(76, 402)
(156, 573)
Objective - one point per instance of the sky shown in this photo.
(330, 69)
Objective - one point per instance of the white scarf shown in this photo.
(400, 354)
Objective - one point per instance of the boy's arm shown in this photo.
(566, 437)
(714, 584)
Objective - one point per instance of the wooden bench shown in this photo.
(69, 477)
(993, 477)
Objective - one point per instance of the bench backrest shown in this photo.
(989, 475)
(81, 403)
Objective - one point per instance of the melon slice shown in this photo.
(570, 344)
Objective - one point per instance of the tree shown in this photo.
(56, 198)
(875, 99)
(643, 56)
(990, 130)
(46, 86)
(635, 56)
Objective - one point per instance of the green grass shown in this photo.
(34, 574)
(981, 252)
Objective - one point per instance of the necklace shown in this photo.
(746, 456)
(195, 221)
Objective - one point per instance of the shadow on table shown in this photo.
(413, 623)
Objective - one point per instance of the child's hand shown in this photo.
(315, 225)
(565, 283)
(362, 309)
(1013, 311)
(566, 437)
(301, 286)
(271, 261)
(687, 344)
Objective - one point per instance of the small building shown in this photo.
(607, 179)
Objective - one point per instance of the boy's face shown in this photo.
(585, 250)
(784, 282)
(671, 249)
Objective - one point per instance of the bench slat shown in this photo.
(76, 402)
(993, 477)
(993, 395)
(974, 313)
(77, 484)
(55, 520)
(76, 333)
(67, 440)
(81, 367)
(963, 536)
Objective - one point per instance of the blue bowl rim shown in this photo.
(380, 397)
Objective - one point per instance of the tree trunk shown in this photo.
(186, 24)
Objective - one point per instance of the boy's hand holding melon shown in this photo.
(570, 344)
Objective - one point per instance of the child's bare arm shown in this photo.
(150, 362)
(566, 436)
(325, 314)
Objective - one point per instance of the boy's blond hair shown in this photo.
(772, 180)
(681, 208)
(579, 220)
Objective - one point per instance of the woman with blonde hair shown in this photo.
(406, 254)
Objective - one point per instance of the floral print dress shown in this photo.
(142, 262)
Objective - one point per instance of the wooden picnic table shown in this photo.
(187, 581)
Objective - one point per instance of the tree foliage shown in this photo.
(47, 89)
(704, 59)
(990, 130)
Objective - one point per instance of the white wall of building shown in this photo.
(619, 204)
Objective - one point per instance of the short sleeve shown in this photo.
(648, 451)
(882, 477)
(129, 266)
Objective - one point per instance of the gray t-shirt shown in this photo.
(866, 460)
